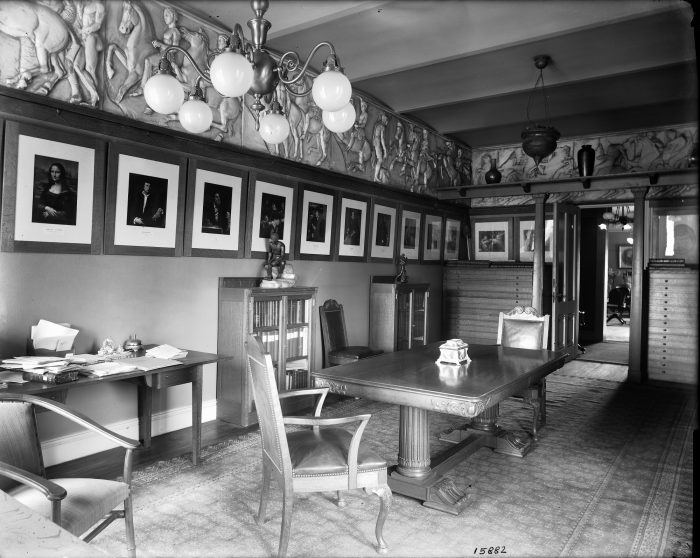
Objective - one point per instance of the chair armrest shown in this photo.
(49, 489)
(323, 392)
(72, 415)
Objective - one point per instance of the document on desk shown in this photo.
(145, 364)
(151, 363)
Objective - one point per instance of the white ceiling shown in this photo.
(465, 68)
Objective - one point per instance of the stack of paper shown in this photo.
(33, 362)
(166, 351)
(108, 368)
(49, 336)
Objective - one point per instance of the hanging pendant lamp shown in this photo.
(539, 140)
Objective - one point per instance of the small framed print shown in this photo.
(526, 240)
(625, 256)
(216, 195)
(410, 231)
(383, 238)
(270, 210)
(352, 228)
(432, 246)
(53, 191)
(452, 229)
(146, 201)
(316, 224)
(491, 240)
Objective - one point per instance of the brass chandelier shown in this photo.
(246, 66)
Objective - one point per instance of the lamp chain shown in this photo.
(540, 80)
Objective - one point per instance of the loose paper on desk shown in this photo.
(53, 337)
(166, 351)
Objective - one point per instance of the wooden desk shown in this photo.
(414, 381)
(190, 371)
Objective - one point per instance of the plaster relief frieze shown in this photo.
(100, 54)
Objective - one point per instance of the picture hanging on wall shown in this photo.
(352, 228)
(625, 253)
(383, 238)
(452, 228)
(270, 210)
(491, 240)
(526, 240)
(316, 224)
(146, 201)
(432, 247)
(410, 234)
(53, 193)
(215, 196)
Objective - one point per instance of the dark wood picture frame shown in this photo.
(129, 167)
(316, 234)
(82, 158)
(410, 241)
(433, 239)
(352, 237)
(263, 190)
(217, 233)
(451, 244)
(625, 253)
(493, 239)
(383, 239)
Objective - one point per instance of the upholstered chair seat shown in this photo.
(335, 340)
(345, 355)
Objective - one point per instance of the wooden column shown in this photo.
(538, 258)
(635, 372)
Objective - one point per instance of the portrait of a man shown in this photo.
(216, 209)
(147, 205)
(383, 234)
(353, 218)
(272, 215)
(316, 225)
(409, 233)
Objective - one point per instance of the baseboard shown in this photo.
(83, 443)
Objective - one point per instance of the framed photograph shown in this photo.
(625, 253)
(452, 230)
(216, 195)
(383, 236)
(316, 224)
(432, 247)
(53, 191)
(145, 201)
(410, 234)
(352, 228)
(526, 240)
(491, 240)
(270, 210)
(675, 231)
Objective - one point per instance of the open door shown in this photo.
(565, 278)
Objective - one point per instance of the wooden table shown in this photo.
(189, 371)
(413, 380)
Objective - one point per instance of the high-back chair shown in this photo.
(335, 340)
(524, 328)
(84, 507)
(310, 460)
(618, 303)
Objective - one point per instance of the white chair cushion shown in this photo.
(522, 334)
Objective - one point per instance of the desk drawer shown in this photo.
(174, 378)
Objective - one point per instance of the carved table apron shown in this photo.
(414, 381)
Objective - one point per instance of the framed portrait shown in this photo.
(492, 240)
(625, 253)
(146, 201)
(216, 195)
(53, 191)
(410, 230)
(526, 240)
(383, 235)
(452, 230)
(270, 210)
(432, 246)
(315, 225)
(352, 228)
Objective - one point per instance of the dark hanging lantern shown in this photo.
(539, 140)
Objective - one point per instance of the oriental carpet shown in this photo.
(612, 475)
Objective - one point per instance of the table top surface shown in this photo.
(493, 370)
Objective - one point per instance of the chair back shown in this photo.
(333, 332)
(267, 404)
(523, 328)
(19, 440)
(618, 297)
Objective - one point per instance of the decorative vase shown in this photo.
(586, 160)
(493, 176)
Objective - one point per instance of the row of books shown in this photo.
(266, 313)
(296, 342)
(296, 379)
(271, 342)
(296, 311)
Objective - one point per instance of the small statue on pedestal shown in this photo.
(402, 277)
(278, 273)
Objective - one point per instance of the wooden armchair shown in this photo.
(310, 460)
(335, 340)
(524, 328)
(84, 507)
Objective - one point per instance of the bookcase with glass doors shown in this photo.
(283, 319)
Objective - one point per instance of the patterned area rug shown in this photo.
(610, 476)
(613, 352)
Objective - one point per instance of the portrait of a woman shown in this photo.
(55, 201)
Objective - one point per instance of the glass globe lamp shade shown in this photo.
(195, 116)
(164, 94)
(339, 121)
(231, 74)
(274, 128)
(331, 90)
(609, 216)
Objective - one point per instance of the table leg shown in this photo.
(145, 412)
(197, 415)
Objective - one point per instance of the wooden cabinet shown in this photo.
(284, 321)
(672, 331)
(398, 314)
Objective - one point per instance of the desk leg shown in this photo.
(145, 412)
(197, 415)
